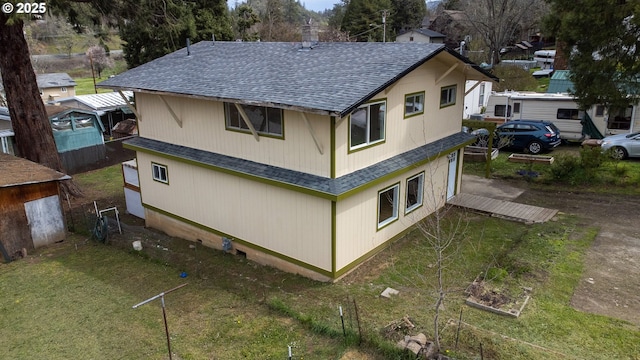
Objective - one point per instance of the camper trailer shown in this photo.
(564, 112)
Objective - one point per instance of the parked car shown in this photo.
(532, 136)
(622, 146)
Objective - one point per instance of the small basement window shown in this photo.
(159, 173)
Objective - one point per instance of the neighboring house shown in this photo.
(476, 97)
(421, 36)
(31, 213)
(111, 108)
(6, 133)
(308, 159)
(55, 85)
(78, 137)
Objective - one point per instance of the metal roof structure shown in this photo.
(99, 102)
(326, 78)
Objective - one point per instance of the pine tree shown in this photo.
(601, 41)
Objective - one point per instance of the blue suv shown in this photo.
(532, 136)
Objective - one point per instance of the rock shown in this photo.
(388, 292)
(420, 339)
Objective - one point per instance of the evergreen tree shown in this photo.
(246, 18)
(602, 48)
(407, 14)
(363, 19)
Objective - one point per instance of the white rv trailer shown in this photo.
(562, 110)
(544, 58)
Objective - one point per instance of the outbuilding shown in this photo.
(31, 213)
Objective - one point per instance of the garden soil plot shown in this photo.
(610, 284)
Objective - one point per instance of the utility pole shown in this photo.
(385, 12)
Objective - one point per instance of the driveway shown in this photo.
(610, 284)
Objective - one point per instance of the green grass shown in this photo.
(612, 176)
(73, 300)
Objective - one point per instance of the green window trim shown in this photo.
(269, 122)
(362, 130)
(391, 214)
(448, 96)
(160, 173)
(418, 180)
(414, 104)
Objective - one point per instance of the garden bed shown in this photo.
(478, 153)
(527, 158)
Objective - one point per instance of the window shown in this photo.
(448, 96)
(481, 97)
(411, 38)
(413, 104)
(63, 89)
(600, 110)
(498, 110)
(516, 108)
(388, 205)
(266, 121)
(570, 114)
(159, 173)
(620, 119)
(367, 124)
(415, 189)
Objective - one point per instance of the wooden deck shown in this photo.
(504, 209)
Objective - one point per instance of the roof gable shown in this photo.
(330, 78)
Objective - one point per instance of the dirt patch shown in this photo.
(611, 280)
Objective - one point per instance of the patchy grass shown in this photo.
(611, 176)
(73, 300)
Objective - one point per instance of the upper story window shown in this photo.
(266, 121)
(448, 96)
(159, 173)
(600, 110)
(63, 89)
(413, 104)
(367, 124)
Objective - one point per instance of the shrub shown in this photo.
(563, 166)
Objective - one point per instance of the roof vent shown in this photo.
(309, 35)
(188, 47)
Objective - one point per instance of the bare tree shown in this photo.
(500, 22)
(97, 59)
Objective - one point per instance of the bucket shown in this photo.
(137, 245)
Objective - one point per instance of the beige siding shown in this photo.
(56, 93)
(203, 127)
(287, 222)
(402, 134)
(356, 223)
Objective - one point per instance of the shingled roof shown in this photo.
(46, 81)
(329, 78)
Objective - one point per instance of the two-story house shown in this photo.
(310, 159)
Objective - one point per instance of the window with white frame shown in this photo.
(159, 173)
(415, 189)
(265, 120)
(413, 104)
(388, 205)
(366, 124)
(448, 96)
